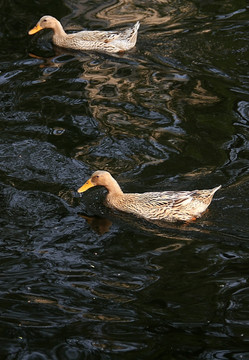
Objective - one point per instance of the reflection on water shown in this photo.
(98, 224)
(77, 280)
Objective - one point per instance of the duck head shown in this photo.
(102, 178)
(46, 22)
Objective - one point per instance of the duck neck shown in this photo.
(58, 30)
(114, 189)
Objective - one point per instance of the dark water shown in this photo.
(171, 114)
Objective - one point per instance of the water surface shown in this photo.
(77, 280)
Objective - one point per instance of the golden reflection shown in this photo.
(110, 296)
(201, 96)
(120, 93)
(127, 10)
(121, 12)
(122, 285)
(111, 346)
(102, 317)
(45, 301)
(40, 300)
(99, 225)
(168, 248)
(198, 96)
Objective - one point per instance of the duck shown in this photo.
(108, 41)
(170, 206)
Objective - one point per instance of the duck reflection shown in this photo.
(98, 224)
(58, 59)
(180, 232)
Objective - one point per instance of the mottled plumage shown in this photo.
(109, 41)
(165, 205)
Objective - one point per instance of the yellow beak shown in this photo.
(35, 29)
(86, 186)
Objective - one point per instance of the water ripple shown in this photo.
(77, 279)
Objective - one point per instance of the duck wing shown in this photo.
(93, 36)
(107, 36)
(167, 198)
(169, 205)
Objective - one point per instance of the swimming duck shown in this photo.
(167, 205)
(109, 41)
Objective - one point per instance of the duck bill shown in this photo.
(35, 29)
(86, 186)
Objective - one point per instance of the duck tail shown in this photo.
(136, 26)
(215, 189)
(133, 36)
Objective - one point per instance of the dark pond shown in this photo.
(171, 114)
